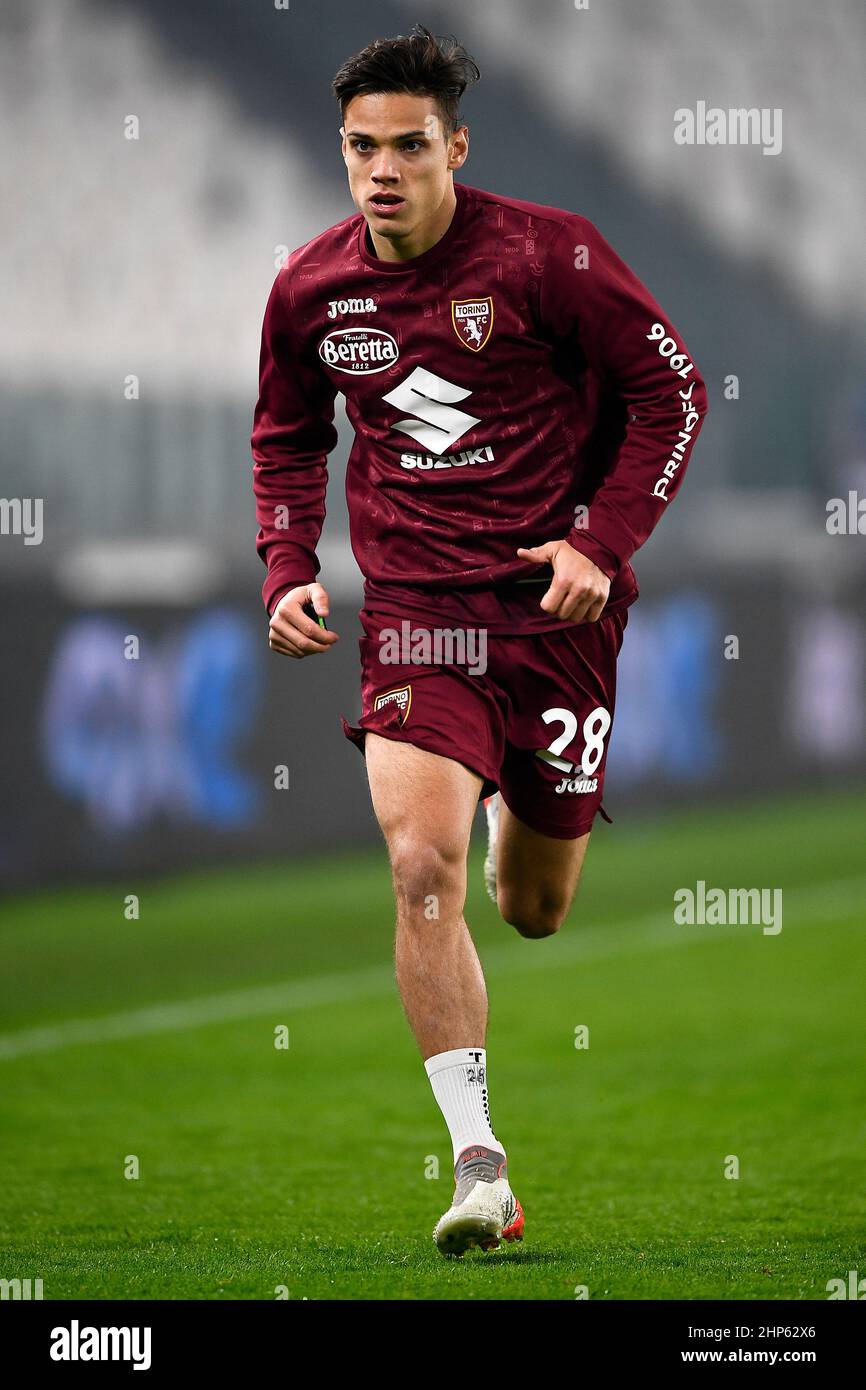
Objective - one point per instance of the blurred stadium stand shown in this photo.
(153, 258)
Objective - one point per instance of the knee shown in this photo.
(424, 874)
(535, 918)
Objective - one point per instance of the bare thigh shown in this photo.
(536, 875)
(425, 805)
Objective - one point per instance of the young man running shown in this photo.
(523, 414)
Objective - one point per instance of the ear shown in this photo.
(344, 144)
(458, 147)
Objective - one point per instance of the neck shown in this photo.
(415, 243)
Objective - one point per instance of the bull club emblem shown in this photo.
(402, 698)
(472, 320)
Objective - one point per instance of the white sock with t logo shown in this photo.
(459, 1081)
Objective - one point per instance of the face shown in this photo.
(399, 162)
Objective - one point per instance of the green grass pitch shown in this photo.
(309, 1168)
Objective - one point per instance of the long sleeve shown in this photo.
(591, 298)
(293, 432)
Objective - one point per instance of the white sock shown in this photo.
(459, 1081)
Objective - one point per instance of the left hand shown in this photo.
(578, 589)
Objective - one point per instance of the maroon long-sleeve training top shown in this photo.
(514, 384)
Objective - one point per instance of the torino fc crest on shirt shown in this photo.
(472, 320)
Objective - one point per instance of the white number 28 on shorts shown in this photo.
(595, 728)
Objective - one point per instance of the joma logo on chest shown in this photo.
(338, 307)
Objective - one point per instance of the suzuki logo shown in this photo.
(434, 422)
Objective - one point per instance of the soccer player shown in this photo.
(523, 414)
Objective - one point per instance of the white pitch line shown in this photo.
(183, 1014)
(586, 944)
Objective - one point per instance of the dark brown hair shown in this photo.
(417, 63)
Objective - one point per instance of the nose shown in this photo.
(385, 171)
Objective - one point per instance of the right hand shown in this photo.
(291, 632)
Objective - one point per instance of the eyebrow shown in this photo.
(360, 135)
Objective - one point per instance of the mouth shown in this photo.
(386, 204)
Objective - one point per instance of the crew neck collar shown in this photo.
(427, 257)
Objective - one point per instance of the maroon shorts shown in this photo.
(530, 714)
